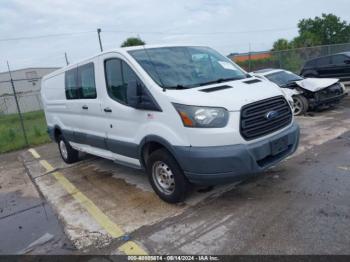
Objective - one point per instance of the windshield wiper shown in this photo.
(220, 80)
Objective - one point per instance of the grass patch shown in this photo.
(11, 135)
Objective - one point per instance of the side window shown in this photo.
(119, 76)
(71, 85)
(86, 79)
(311, 63)
(114, 80)
(339, 59)
(323, 61)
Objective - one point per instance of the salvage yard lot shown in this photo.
(301, 206)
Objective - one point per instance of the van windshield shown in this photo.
(186, 67)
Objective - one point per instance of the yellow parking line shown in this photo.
(47, 166)
(34, 153)
(93, 210)
(130, 247)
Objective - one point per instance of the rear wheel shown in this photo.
(301, 105)
(166, 177)
(68, 154)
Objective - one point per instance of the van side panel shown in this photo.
(59, 111)
(53, 97)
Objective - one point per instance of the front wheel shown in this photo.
(68, 154)
(166, 177)
(301, 105)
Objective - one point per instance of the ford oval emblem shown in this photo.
(271, 115)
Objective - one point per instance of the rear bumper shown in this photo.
(224, 164)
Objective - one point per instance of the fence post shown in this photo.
(280, 58)
(17, 104)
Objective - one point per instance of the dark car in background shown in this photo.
(335, 66)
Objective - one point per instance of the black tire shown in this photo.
(71, 155)
(160, 161)
(301, 105)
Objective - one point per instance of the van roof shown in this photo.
(122, 50)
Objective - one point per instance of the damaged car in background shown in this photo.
(307, 93)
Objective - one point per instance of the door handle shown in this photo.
(85, 107)
(107, 110)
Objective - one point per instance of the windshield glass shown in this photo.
(186, 67)
(283, 78)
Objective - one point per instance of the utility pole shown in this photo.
(66, 57)
(250, 58)
(17, 104)
(99, 38)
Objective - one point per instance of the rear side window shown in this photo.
(311, 63)
(71, 84)
(323, 61)
(339, 59)
(119, 75)
(86, 79)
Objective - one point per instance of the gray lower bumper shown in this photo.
(223, 164)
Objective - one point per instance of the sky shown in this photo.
(37, 33)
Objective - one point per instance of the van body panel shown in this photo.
(112, 129)
(233, 99)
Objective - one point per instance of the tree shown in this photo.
(133, 41)
(325, 30)
(281, 44)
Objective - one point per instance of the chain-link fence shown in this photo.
(292, 60)
(22, 120)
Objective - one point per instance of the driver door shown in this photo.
(123, 123)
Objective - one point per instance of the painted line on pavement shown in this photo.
(34, 153)
(129, 247)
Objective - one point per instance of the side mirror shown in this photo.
(347, 61)
(139, 98)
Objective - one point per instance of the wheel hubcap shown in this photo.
(298, 107)
(63, 149)
(163, 177)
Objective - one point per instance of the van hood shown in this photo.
(316, 84)
(230, 95)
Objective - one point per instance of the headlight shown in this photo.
(198, 116)
(342, 87)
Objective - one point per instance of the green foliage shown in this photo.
(37, 131)
(11, 135)
(290, 60)
(325, 30)
(281, 44)
(133, 41)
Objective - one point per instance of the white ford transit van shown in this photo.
(185, 114)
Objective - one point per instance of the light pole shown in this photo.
(99, 38)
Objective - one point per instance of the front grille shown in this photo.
(331, 91)
(254, 120)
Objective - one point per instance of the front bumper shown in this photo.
(224, 164)
(327, 100)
